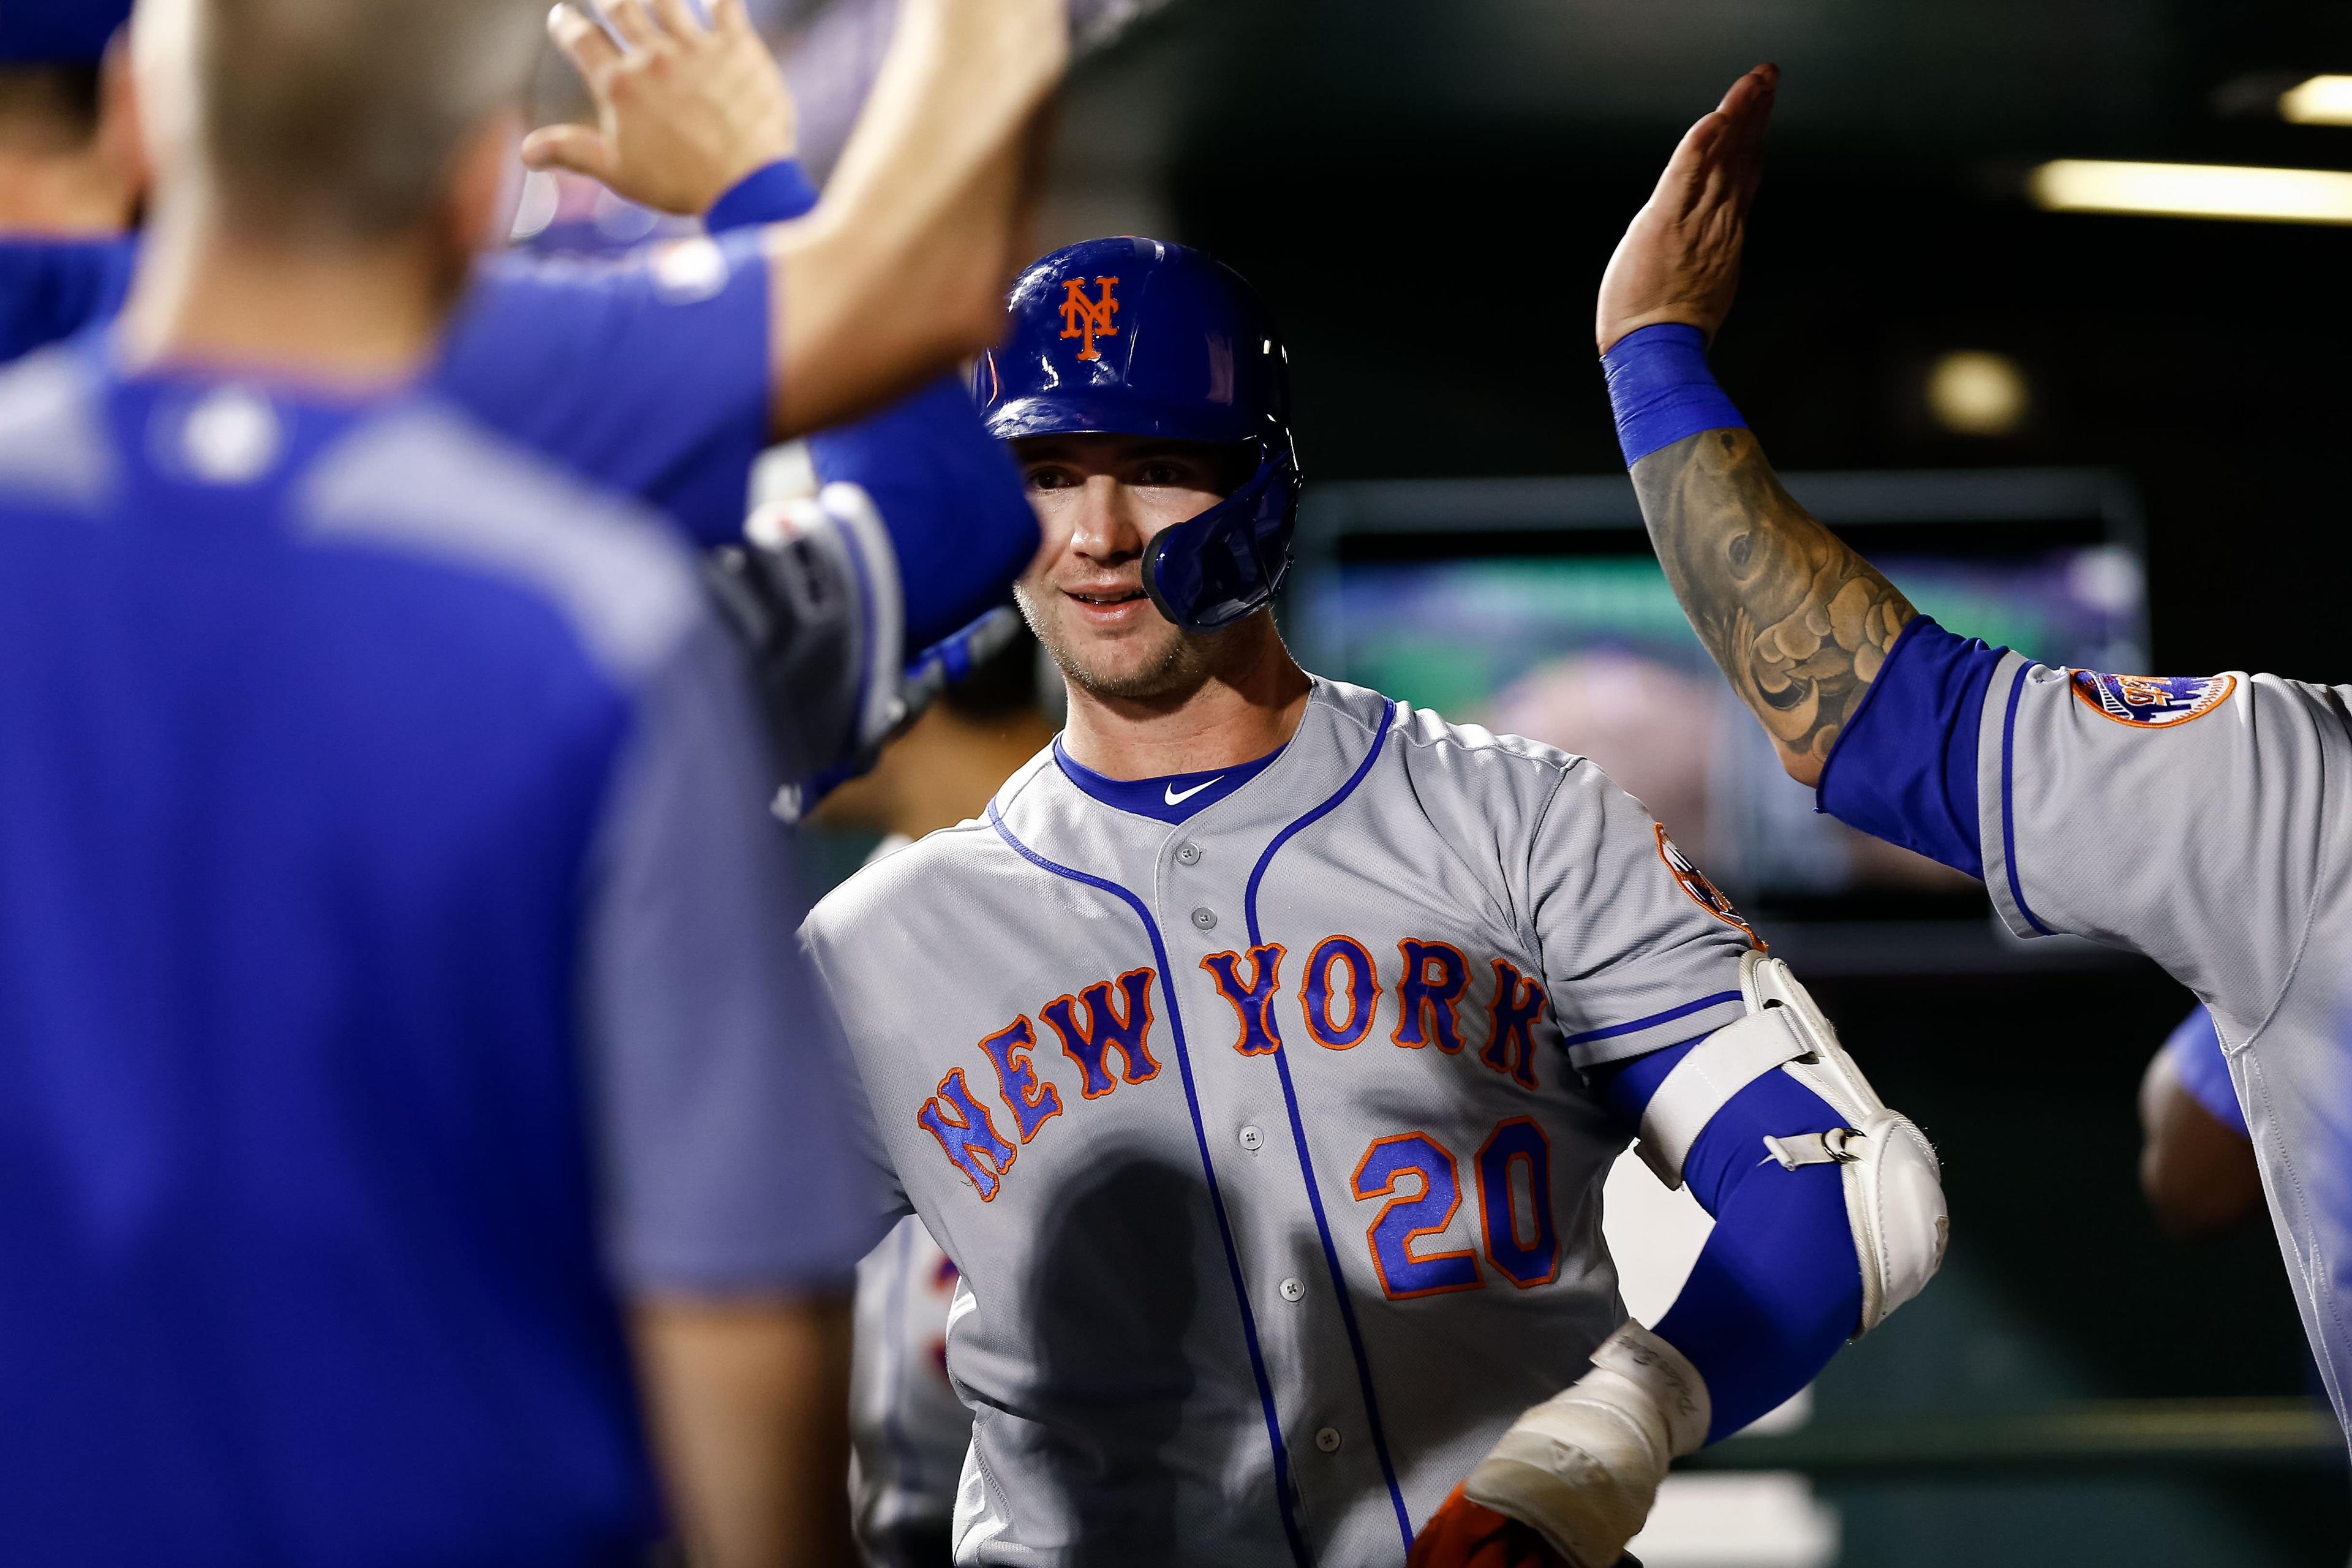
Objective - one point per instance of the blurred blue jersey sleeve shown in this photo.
(651, 375)
(52, 288)
(1904, 768)
(2195, 1048)
(733, 1129)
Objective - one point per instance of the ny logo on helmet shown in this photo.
(1085, 318)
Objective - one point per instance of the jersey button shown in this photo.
(1328, 1439)
(1188, 854)
(1206, 919)
(1292, 1290)
(1252, 1140)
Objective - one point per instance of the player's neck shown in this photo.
(1247, 707)
(354, 316)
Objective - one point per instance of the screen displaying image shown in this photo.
(1591, 653)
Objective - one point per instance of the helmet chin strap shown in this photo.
(1227, 562)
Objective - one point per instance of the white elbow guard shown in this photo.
(813, 595)
(1582, 1468)
(1893, 1186)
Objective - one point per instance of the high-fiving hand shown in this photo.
(683, 111)
(1679, 260)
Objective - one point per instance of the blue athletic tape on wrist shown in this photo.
(773, 193)
(1661, 390)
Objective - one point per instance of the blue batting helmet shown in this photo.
(1138, 337)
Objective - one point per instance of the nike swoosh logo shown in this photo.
(1178, 797)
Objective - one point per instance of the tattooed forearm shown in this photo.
(1798, 622)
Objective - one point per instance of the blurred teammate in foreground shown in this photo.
(1260, 1055)
(659, 375)
(668, 374)
(408, 1056)
(2202, 821)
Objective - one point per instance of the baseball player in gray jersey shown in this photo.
(1259, 1053)
(2200, 821)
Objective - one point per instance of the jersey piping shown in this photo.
(2009, 800)
(1298, 1131)
(1200, 1137)
(1654, 1019)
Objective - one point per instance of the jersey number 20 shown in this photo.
(1520, 1240)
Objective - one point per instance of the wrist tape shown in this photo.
(1661, 390)
(773, 193)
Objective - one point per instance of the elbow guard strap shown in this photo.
(1705, 1081)
(1894, 1185)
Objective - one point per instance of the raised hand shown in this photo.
(1679, 260)
(683, 111)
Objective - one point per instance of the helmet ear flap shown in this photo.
(1155, 556)
(1227, 562)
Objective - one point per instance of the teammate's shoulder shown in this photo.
(54, 445)
(423, 480)
(927, 868)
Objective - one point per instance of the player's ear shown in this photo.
(119, 142)
(484, 185)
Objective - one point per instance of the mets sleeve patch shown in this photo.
(2151, 701)
(1704, 893)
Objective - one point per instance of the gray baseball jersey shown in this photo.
(2205, 823)
(908, 1430)
(1258, 1135)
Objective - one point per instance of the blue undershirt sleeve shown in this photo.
(1904, 768)
(2195, 1048)
(951, 501)
(650, 375)
(950, 498)
(1776, 1289)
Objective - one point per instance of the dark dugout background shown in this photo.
(1428, 192)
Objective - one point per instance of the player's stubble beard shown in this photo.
(1176, 664)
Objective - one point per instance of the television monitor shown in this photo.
(1535, 607)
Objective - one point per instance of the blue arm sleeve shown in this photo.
(52, 288)
(1904, 768)
(650, 375)
(949, 496)
(2195, 1048)
(1776, 1289)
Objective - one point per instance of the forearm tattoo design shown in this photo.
(1798, 622)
